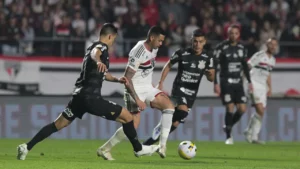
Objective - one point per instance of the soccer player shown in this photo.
(232, 55)
(139, 72)
(261, 65)
(193, 63)
(87, 98)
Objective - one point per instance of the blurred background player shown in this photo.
(141, 63)
(261, 65)
(232, 55)
(193, 63)
(87, 97)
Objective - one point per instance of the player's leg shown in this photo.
(228, 100)
(162, 102)
(240, 100)
(63, 120)
(181, 112)
(113, 111)
(254, 126)
(104, 151)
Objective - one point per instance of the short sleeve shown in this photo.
(101, 47)
(134, 59)
(217, 52)
(254, 60)
(210, 63)
(175, 57)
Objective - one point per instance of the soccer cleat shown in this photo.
(248, 136)
(22, 151)
(229, 141)
(105, 154)
(162, 151)
(258, 142)
(156, 132)
(146, 150)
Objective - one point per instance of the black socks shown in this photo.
(45, 132)
(131, 134)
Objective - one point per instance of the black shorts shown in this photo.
(95, 105)
(183, 100)
(233, 93)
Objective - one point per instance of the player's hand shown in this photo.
(141, 105)
(217, 89)
(159, 86)
(123, 80)
(207, 72)
(250, 88)
(101, 67)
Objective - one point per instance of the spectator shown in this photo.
(190, 28)
(171, 7)
(95, 21)
(78, 22)
(121, 8)
(177, 39)
(151, 12)
(44, 47)
(28, 37)
(266, 33)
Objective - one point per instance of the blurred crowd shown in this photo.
(66, 27)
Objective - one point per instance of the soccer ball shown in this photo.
(187, 150)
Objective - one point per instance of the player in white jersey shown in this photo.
(141, 93)
(261, 65)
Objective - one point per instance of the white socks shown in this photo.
(166, 123)
(254, 125)
(115, 139)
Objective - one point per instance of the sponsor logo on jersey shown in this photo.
(201, 64)
(193, 65)
(240, 53)
(186, 53)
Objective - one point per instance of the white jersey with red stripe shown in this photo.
(142, 61)
(262, 66)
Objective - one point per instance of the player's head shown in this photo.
(108, 34)
(272, 45)
(156, 36)
(198, 40)
(234, 33)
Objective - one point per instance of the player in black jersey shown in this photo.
(87, 97)
(232, 57)
(193, 63)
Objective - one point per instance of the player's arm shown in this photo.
(210, 71)
(109, 77)
(246, 68)
(216, 56)
(129, 73)
(166, 69)
(96, 54)
(269, 85)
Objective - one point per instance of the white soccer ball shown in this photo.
(187, 150)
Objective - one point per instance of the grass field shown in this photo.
(81, 154)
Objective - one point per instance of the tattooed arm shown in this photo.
(129, 73)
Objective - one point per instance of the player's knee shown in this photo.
(180, 115)
(168, 111)
(125, 116)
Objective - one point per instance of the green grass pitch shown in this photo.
(81, 154)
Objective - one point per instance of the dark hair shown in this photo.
(198, 33)
(156, 31)
(107, 29)
(271, 39)
(234, 26)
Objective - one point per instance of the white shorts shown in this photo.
(259, 94)
(146, 94)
